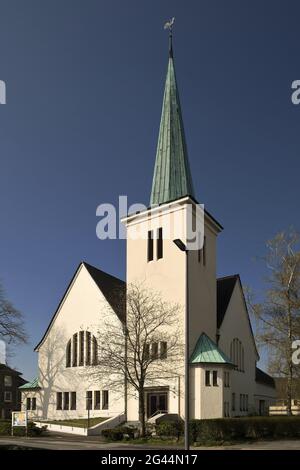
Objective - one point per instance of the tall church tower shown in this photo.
(152, 256)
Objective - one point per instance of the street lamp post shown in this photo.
(89, 403)
(179, 243)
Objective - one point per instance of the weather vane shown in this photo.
(169, 25)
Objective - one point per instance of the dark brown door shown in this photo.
(157, 401)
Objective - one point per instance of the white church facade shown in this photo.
(224, 378)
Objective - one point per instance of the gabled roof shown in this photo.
(225, 286)
(206, 351)
(172, 176)
(34, 384)
(5, 368)
(264, 378)
(112, 288)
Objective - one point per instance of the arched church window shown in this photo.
(82, 349)
(237, 354)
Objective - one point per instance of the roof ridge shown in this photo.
(229, 276)
(88, 265)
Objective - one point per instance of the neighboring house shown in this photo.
(280, 406)
(10, 396)
(224, 379)
(281, 388)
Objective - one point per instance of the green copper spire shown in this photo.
(172, 177)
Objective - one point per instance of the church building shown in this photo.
(224, 378)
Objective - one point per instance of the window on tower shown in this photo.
(160, 243)
(150, 246)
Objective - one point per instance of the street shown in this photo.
(63, 442)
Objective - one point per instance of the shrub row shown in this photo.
(230, 429)
(32, 429)
(119, 433)
(170, 429)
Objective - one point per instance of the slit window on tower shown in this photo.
(204, 251)
(150, 246)
(160, 243)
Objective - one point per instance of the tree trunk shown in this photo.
(142, 417)
(289, 387)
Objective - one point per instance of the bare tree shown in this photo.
(128, 351)
(278, 316)
(11, 321)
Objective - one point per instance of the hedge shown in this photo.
(170, 429)
(33, 430)
(117, 434)
(230, 429)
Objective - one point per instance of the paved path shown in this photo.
(66, 442)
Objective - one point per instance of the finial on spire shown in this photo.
(169, 25)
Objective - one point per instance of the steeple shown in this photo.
(172, 177)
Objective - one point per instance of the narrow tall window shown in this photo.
(163, 350)
(97, 400)
(233, 402)
(150, 246)
(66, 400)
(204, 251)
(147, 351)
(33, 404)
(241, 402)
(7, 381)
(81, 348)
(95, 351)
(68, 354)
(75, 349)
(88, 349)
(160, 243)
(7, 397)
(154, 350)
(215, 378)
(59, 401)
(207, 378)
(28, 403)
(73, 401)
(104, 399)
(89, 400)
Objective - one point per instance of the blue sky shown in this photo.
(84, 92)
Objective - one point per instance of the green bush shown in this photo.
(170, 429)
(231, 429)
(119, 433)
(114, 434)
(5, 427)
(32, 429)
(129, 431)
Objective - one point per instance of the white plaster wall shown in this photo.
(266, 393)
(236, 325)
(84, 308)
(167, 275)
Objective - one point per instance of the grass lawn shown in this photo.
(78, 423)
